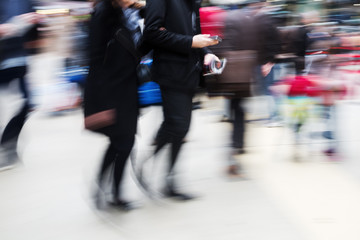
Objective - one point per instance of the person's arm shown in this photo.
(273, 42)
(272, 46)
(98, 41)
(18, 25)
(158, 36)
(97, 38)
(6, 29)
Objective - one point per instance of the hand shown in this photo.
(266, 68)
(138, 4)
(124, 3)
(7, 29)
(30, 18)
(209, 57)
(203, 40)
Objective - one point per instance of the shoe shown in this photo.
(6, 167)
(239, 151)
(226, 119)
(98, 196)
(123, 205)
(196, 106)
(330, 152)
(8, 157)
(234, 171)
(178, 195)
(154, 143)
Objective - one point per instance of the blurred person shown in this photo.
(250, 35)
(16, 19)
(76, 65)
(112, 85)
(303, 94)
(268, 46)
(172, 28)
(302, 41)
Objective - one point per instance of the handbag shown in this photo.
(237, 76)
(100, 120)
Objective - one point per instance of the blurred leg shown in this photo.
(12, 129)
(123, 145)
(238, 124)
(177, 108)
(108, 159)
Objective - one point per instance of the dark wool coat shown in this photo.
(112, 80)
(169, 29)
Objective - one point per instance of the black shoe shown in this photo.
(196, 106)
(226, 119)
(241, 151)
(123, 205)
(238, 150)
(178, 195)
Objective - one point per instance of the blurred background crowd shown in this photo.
(316, 38)
(311, 59)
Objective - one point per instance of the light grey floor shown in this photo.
(48, 196)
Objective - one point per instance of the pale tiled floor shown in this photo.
(48, 196)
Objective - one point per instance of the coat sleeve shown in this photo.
(155, 20)
(97, 41)
(272, 43)
(96, 89)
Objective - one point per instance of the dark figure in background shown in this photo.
(16, 19)
(250, 33)
(112, 84)
(301, 44)
(172, 28)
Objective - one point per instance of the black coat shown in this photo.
(169, 30)
(268, 38)
(112, 80)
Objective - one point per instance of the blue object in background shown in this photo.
(76, 74)
(149, 94)
(149, 91)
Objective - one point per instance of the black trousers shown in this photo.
(13, 128)
(238, 123)
(115, 159)
(177, 109)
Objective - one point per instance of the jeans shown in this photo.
(13, 127)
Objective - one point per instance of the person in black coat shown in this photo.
(172, 28)
(112, 83)
(17, 19)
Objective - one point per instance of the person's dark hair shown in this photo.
(95, 2)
